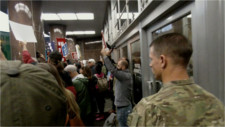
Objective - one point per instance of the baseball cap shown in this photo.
(30, 96)
(91, 60)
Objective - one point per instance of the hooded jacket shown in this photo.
(83, 98)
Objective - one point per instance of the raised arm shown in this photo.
(26, 55)
(120, 75)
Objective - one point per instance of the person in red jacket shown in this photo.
(26, 55)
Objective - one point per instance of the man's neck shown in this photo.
(174, 74)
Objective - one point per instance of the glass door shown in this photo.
(136, 69)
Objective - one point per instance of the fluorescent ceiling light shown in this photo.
(49, 16)
(93, 42)
(89, 32)
(80, 32)
(85, 16)
(4, 25)
(69, 33)
(67, 16)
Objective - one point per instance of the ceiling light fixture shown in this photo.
(85, 16)
(80, 32)
(49, 16)
(93, 42)
(69, 33)
(67, 16)
(89, 32)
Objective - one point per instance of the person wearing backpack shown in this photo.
(101, 88)
(83, 98)
(92, 82)
(124, 86)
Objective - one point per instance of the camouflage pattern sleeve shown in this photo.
(134, 118)
(178, 104)
(145, 114)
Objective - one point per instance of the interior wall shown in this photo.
(90, 51)
(208, 44)
(32, 18)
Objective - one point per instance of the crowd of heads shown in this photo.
(163, 53)
(40, 82)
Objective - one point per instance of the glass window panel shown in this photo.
(136, 57)
(183, 26)
(136, 69)
(133, 9)
(122, 4)
(124, 51)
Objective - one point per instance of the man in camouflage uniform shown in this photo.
(180, 102)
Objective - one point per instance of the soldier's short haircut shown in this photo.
(125, 63)
(174, 45)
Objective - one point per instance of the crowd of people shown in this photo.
(35, 92)
(83, 99)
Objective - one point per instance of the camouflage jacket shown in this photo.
(178, 103)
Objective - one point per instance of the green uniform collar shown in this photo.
(178, 83)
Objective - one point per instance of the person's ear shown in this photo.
(163, 61)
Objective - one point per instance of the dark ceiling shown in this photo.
(3, 6)
(99, 8)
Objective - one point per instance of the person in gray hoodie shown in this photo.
(124, 85)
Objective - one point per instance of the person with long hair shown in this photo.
(92, 81)
(83, 98)
(55, 58)
(73, 117)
